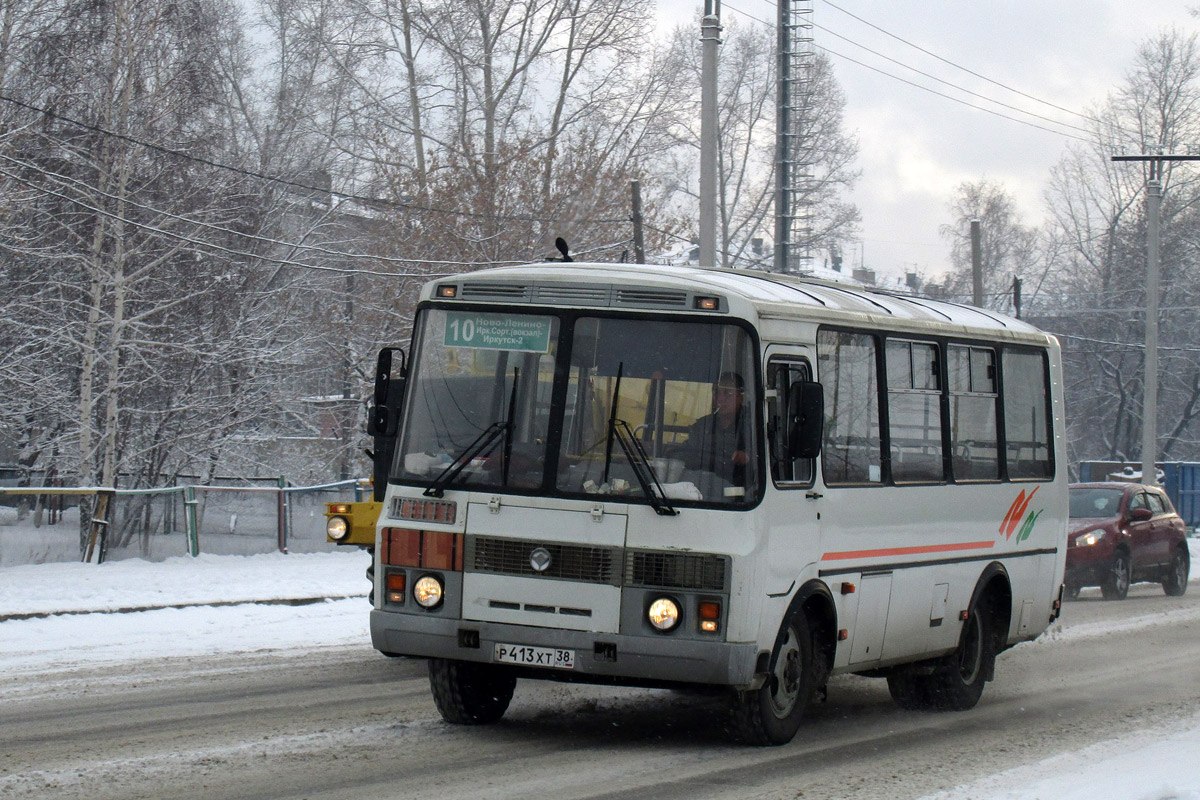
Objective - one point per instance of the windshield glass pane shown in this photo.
(1094, 502)
(480, 378)
(687, 392)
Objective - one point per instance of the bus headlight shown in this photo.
(663, 614)
(427, 591)
(337, 528)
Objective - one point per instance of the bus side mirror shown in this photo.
(805, 419)
(383, 418)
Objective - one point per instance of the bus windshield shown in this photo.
(482, 396)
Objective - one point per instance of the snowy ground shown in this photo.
(223, 604)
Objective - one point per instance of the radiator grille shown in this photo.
(567, 562)
(676, 571)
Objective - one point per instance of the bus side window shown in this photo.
(780, 377)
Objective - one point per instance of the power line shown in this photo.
(959, 66)
(210, 245)
(80, 185)
(915, 85)
(369, 201)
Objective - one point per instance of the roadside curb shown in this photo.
(279, 601)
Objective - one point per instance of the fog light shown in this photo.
(427, 591)
(337, 528)
(663, 614)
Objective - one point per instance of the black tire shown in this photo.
(1175, 581)
(467, 693)
(957, 683)
(771, 714)
(1116, 580)
(909, 691)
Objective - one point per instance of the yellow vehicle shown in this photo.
(352, 523)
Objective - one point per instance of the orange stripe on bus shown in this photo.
(906, 551)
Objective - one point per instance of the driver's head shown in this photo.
(728, 392)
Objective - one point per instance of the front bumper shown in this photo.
(1088, 566)
(599, 657)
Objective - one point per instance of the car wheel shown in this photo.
(1116, 582)
(1176, 580)
(770, 715)
(467, 693)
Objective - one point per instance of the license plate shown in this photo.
(526, 656)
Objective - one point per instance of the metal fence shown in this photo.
(49, 524)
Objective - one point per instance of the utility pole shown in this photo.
(710, 38)
(1154, 193)
(1016, 289)
(639, 242)
(976, 264)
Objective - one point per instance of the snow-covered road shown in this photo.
(107, 705)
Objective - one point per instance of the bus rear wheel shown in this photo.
(467, 693)
(771, 714)
(956, 682)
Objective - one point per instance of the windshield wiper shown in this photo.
(482, 443)
(643, 470)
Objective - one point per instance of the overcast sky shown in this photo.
(915, 146)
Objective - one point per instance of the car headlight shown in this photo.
(1090, 538)
(427, 591)
(337, 528)
(663, 614)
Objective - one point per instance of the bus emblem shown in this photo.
(1014, 516)
(539, 559)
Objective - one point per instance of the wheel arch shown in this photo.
(814, 599)
(993, 596)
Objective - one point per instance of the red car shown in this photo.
(1121, 533)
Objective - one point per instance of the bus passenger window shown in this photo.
(1026, 425)
(972, 379)
(851, 451)
(914, 411)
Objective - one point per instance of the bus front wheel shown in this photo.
(467, 693)
(770, 715)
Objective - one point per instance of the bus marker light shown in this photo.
(709, 609)
(848, 588)
(708, 625)
(339, 508)
(447, 291)
(964, 614)
(843, 635)
(396, 582)
(707, 303)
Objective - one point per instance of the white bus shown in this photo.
(657, 476)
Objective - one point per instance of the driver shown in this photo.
(717, 442)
